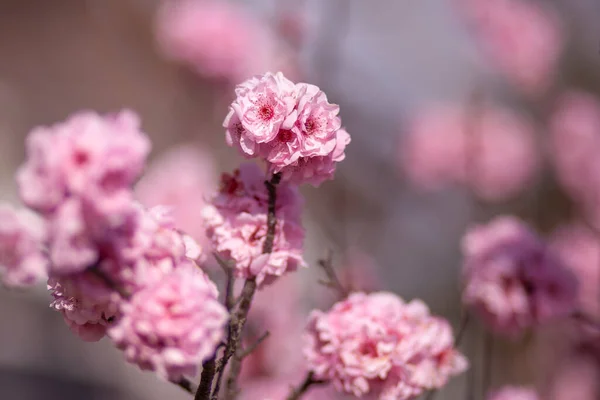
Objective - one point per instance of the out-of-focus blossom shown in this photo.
(514, 393)
(284, 323)
(86, 315)
(523, 39)
(151, 249)
(172, 326)
(511, 278)
(95, 158)
(22, 239)
(579, 249)
(376, 344)
(490, 150)
(217, 39)
(575, 143)
(236, 222)
(576, 378)
(181, 179)
(291, 126)
(279, 389)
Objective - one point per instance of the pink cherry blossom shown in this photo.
(22, 240)
(86, 315)
(511, 278)
(89, 156)
(291, 126)
(236, 222)
(377, 344)
(514, 393)
(217, 39)
(172, 326)
(181, 179)
(492, 151)
(523, 39)
(574, 128)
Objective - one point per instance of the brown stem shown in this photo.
(185, 384)
(206, 379)
(254, 345)
(301, 389)
(239, 317)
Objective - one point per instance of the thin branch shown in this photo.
(185, 384)
(302, 388)
(333, 281)
(239, 317)
(228, 269)
(206, 380)
(109, 282)
(254, 345)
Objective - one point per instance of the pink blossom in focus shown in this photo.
(171, 327)
(217, 39)
(236, 222)
(292, 126)
(523, 39)
(575, 143)
(377, 344)
(514, 393)
(491, 151)
(511, 278)
(22, 239)
(181, 179)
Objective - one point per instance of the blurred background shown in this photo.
(383, 62)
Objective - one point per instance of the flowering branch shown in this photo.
(239, 317)
(299, 391)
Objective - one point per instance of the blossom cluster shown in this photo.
(236, 225)
(490, 150)
(377, 344)
(113, 266)
(291, 126)
(512, 278)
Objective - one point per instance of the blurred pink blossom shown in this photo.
(377, 344)
(236, 222)
(522, 38)
(576, 378)
(292, 126)
(490, 150)
(181, 179)
(511, 278)
(217, 39)
(22, 238)
(172, 326)
(92, 157)
(575, 143)
(514, 393)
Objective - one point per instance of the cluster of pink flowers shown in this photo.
(490, 150)
(218, 40)
(236, 224)
(291, 126)
(514, 393)
(379, 345)
(512, 279)
(523, 39)
(111, 264)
